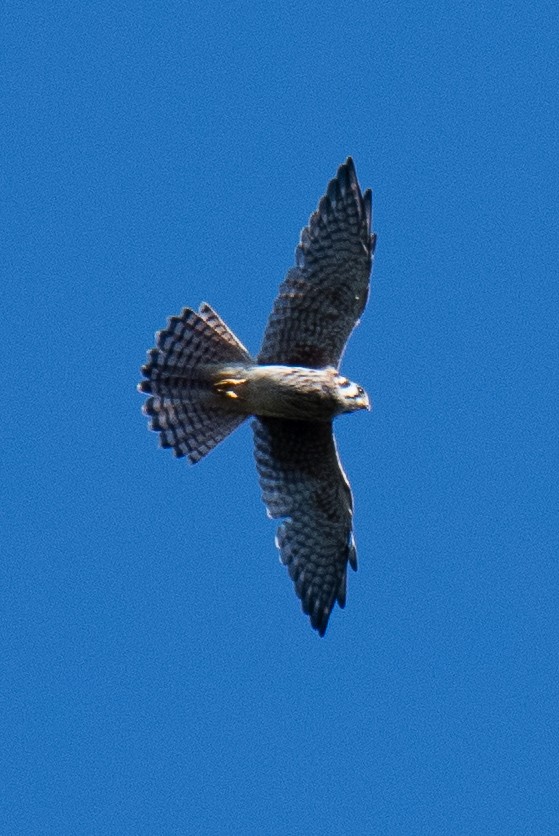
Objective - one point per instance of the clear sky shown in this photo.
(157, 673)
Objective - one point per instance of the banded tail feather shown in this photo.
(178, 377)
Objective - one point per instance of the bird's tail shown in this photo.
(182, 407)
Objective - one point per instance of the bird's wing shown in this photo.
(322, 297)
(303, 482)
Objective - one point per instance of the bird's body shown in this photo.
(203, 383)
(291, 392)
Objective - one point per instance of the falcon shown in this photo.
(203, 383)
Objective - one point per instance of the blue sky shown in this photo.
(158, 675)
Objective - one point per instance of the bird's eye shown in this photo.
(360, 391)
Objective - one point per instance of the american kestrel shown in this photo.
(203, 383)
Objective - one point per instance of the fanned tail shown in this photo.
(182, 405)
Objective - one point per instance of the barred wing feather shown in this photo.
(303, 482)
(323, 296)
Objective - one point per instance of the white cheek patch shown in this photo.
(351, 390)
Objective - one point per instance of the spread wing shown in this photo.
(303, 482)
(323, 296)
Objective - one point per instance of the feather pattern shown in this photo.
(323, 296)
(182, 408)
(302, 481)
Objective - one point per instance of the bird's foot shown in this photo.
(226, 386)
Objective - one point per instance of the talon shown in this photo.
(221, 386)
(231, 381)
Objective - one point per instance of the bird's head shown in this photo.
(351, 395)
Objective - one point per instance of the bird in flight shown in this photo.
(203, 383)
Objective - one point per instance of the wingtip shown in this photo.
(346, 180)
(319, 622)
(346, 176)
